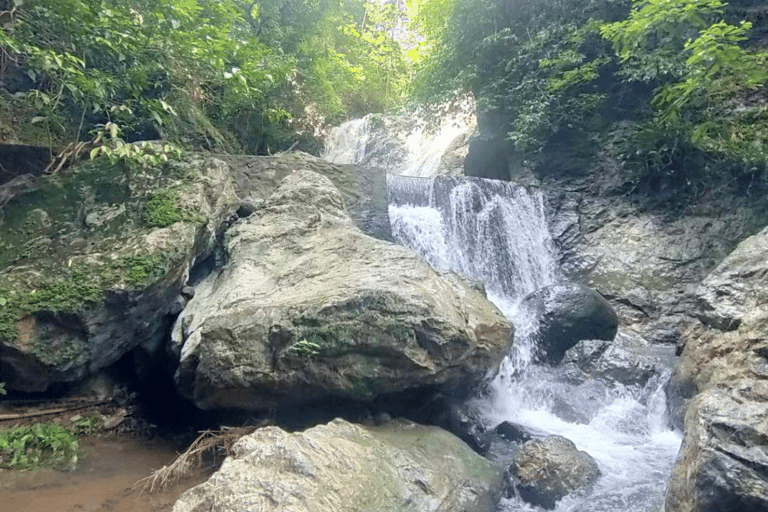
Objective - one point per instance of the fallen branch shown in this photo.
(217, 443)
(48, 412)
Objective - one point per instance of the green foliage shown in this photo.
(67, 294)
(48, 444)
(2, 389)
(533, 67)
(705, 82)
(89, 424)
(254, 72)
(305, 348)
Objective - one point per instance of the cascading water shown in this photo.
(496, 233)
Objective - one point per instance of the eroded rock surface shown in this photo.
(548, 469)
(310, 307)
(341, 467)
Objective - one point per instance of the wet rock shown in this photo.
(513, 433)
(566, 314)
(546, 470)
(89, 274)
(341, 467)
(620, 362)
(464, 420)
(309, 307)
(726, 292)
(364, 188)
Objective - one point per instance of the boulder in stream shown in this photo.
(546, 470)
(309, 307)
(566, 314)
(342, 467)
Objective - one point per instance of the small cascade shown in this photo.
(346, 143)
(492, 231)
(404, 145)
(496, 232)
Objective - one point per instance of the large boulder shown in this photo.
(546, 470)
(719, 393)
(566, 314)
(93, 262)
(726, 292)
(309, 307)
(341, 467)
(364, 187)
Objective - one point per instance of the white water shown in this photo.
(496, 233)
(403, 145)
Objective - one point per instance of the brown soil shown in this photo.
(102, 482)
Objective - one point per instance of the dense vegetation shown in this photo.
(675, 88)
(221, 74)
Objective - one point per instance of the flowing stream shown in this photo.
(496, 232)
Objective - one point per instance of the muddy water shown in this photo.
(102, 482)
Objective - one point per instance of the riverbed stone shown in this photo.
(309, 307)
(546, 470)
(342, 467)
(566, 314)
(94, 259)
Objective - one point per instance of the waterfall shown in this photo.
(496, 233)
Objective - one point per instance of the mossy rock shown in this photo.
(92, 260)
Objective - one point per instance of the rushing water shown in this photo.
(496, 232)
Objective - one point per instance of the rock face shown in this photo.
(310, 307)
(723, 463)
(726, 292)
(341, 467)
(566, 314)
(645, 260)
(94, 262)
(549, 469)
(364, 188)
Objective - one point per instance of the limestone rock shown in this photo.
(310, 307)
(566, 314)
(341, 467)
(89, 273)
(549, 469)
(726, 294)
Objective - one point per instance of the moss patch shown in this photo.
(162, 210)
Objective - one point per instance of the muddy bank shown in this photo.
(103, 480)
